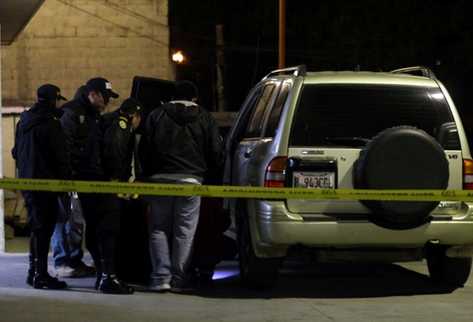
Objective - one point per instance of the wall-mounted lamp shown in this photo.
(178, 57)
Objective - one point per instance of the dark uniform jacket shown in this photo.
(81, 125)
(40, 145)
(183, 138)
(118, 146)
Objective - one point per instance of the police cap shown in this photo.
(100, 84)
(49, 92)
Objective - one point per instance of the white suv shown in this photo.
(366, 130)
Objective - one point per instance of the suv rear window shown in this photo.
(332, 115)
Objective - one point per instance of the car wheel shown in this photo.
(446, 270)
(255, 272)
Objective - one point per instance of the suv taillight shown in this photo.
(275, 175)
(467, 174)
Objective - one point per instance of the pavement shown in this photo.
(305, 292)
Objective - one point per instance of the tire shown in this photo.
(255, 272)
(401, 157)
(453, 272)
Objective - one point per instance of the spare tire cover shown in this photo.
(401, 158)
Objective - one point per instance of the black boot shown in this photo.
(31, 271)
(110, 284)
(31, 267)
(48, 282)
(98, 279)
(42, 279)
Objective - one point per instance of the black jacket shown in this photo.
(40, 145)
(118, 146)
(182, 138)
(81, 125)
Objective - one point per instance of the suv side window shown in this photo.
(275, 113)
(246, 110)
(255, 124)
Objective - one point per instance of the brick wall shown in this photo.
(70, 41)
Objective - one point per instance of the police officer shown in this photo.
(82, 126)
(118, 149)
(119, 139)
(40, 152)
(67, 239)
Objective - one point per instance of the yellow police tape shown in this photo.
(161, 189)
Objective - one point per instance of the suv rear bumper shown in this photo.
(359, 234)
(275, 227)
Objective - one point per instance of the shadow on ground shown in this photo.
(334, 281)
(297, 280)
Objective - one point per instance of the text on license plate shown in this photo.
(322, 180)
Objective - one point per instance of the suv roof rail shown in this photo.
(300, 70)
(425, 71)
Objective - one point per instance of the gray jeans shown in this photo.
(172, 225)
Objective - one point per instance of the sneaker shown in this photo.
(48, 282)
(160, 288)
(64, 271)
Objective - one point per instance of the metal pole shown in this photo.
(282, 34)
(2, 204)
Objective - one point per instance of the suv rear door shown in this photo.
(332, 122)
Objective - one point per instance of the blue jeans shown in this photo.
(68, 233)
(172, 225)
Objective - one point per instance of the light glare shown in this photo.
(178, 57)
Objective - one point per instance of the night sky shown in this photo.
(372, 35)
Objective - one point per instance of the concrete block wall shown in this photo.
(8, 138)
(70, 41)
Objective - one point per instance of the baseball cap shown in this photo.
(130, 106)
(101, 85)
(49, 92)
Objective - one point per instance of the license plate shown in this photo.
(321, 180)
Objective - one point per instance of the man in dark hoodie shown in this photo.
(184, 145)
(40, 152)
(81, 124)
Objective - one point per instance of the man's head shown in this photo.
(99, 92)
(49, 94)
(186, 90)
(132, 109)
